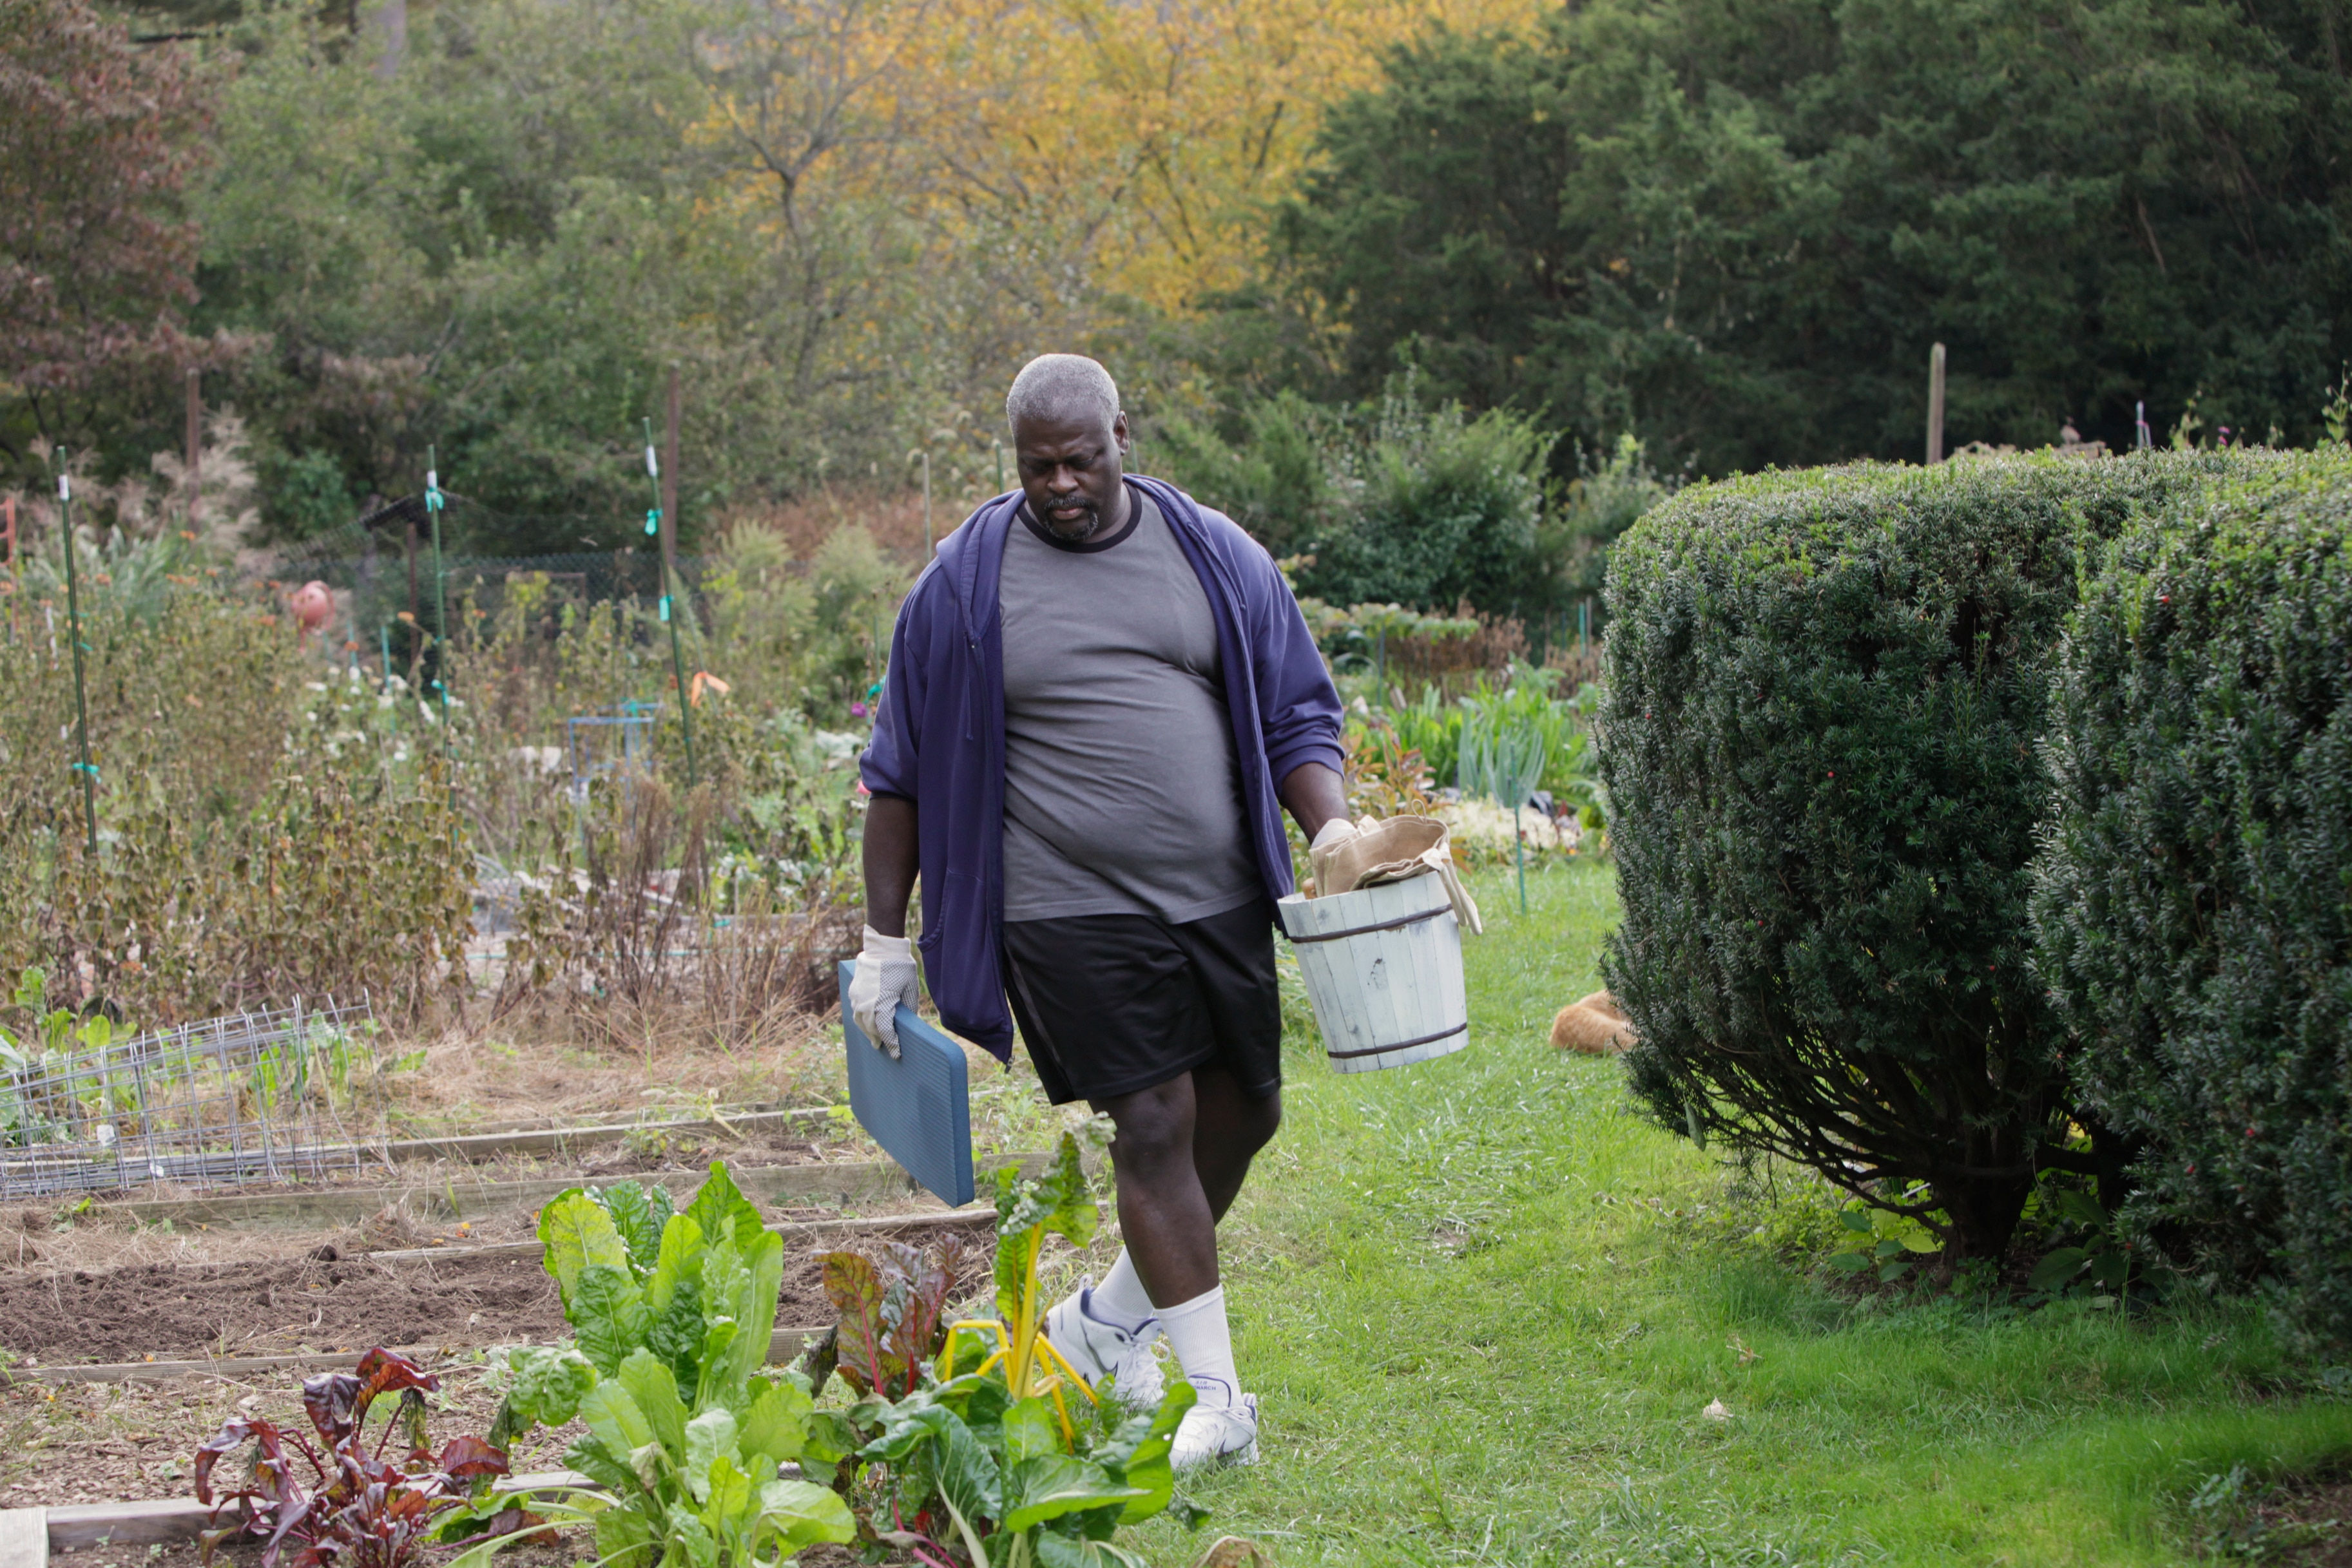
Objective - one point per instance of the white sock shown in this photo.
(1203, 1344)
(1120, 1300)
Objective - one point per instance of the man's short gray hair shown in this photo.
(1062, 386)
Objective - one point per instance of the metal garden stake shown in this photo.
(676, 658)
(73, 634)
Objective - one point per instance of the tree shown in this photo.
(1736, 231)
(97, 139)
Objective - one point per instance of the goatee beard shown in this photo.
(1080, 531)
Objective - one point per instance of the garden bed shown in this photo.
(129, 1442)
(304, 1306)
(325, 1301)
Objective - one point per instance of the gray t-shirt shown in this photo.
(1122, 792)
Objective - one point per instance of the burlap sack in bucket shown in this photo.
(1393, 851)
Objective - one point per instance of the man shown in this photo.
(1101, 696)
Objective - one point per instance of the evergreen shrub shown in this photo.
(2194, 902)
(1826, 694)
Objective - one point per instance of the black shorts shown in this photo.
(1113, 1003)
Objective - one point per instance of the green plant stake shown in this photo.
(73, 631)
(434, 505)
(676, 658)
(384, 634)
(432, 508)
(1503, 762)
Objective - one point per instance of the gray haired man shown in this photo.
(1101, 697)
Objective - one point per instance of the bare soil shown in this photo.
(167, 1313)
(326, 1301)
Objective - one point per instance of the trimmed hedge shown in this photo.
(1826, 696)
(2194, 906)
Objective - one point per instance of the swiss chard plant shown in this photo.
(998, 1454)
(354, 1507)
(893, 1307)
(672, 1312)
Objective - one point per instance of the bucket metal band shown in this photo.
(1400, 1045)
(1414, 919)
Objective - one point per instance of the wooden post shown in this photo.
(669, 491)
(1936, 405)
(388, 21)
(193, 463)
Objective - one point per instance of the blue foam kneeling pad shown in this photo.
(919, 1107)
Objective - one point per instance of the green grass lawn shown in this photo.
(1485, 1305)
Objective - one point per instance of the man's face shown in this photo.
(1071, 469)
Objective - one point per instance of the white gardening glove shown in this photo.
(885, 977)
(1337, 831)
(1328, 837)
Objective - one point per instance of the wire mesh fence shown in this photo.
(384, 563)
(254, 1097)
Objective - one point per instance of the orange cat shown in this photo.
(1594, 1025)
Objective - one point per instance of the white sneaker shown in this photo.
(1096, 1350)
(1217, 1435)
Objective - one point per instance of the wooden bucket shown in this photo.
(1384, 970)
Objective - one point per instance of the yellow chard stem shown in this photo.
(1024, 1320)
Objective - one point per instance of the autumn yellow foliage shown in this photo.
(1128, 151)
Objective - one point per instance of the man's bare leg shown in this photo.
(1181, 1155)
(1228, 1130)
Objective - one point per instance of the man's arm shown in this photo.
(891, 857)
(1311, 791)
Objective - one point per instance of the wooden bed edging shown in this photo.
(844, 1181)
(940, 1219)
(782, 1345)
(27, 1535)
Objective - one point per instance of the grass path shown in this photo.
(1485, 1306)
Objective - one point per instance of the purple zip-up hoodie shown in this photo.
(939, 738)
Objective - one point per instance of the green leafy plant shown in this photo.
(2099, 1257)
(1501, 760)
(1358, 638)
(672, 1312)
(1437, 727)
(1882, 1239)
(999, 1456)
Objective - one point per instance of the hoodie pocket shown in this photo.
(960, 906)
